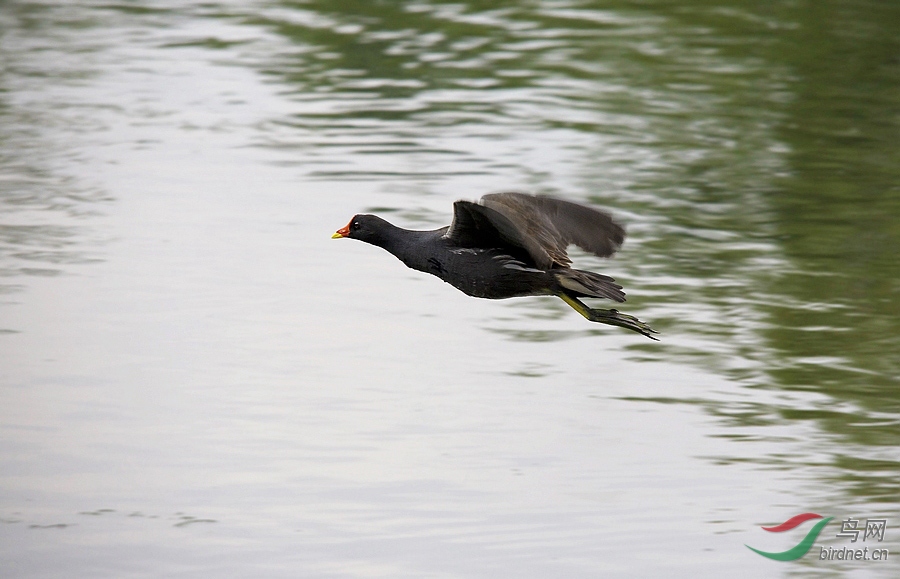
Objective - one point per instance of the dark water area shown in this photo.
(195, 378)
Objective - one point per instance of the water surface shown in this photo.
(197, 380)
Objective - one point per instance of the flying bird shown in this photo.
(510, 245)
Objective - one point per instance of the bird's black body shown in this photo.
(510, 245)
(481, 272)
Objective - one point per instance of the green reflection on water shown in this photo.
(837, 209)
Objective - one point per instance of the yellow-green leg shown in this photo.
(611, 317)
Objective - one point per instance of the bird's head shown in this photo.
(368, 228)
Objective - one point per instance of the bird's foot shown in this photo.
(617, 318)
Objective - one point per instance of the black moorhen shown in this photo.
(509, 245)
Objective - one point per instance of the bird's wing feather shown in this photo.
(476, 225)
(553, 224)
(469, 227)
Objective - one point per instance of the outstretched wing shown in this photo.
(475, 225)
(546, 226)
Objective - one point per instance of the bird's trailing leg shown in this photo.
(611, 317)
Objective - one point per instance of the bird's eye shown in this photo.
(354, 225)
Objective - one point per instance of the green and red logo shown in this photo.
(801, 548)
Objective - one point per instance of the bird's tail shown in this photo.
(589, 284)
